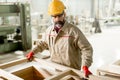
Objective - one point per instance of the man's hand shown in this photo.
(30, 56)
(86, 71)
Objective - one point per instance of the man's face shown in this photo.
(59, 19)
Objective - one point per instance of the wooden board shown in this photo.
(13, 63)
(65, 75)
(7, 76)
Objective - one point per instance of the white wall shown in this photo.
(77, 7)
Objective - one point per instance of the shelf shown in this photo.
(7, 29)
(9, 14)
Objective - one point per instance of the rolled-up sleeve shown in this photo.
(40, 46)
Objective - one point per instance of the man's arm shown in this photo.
(42, 45)
(87, 52)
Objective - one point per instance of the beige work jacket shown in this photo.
(68, 47)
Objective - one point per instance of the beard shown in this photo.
(59, 24)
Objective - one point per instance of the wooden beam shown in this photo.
(7, 76)
(13, 63)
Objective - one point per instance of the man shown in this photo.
(66, 43)
(96, 25)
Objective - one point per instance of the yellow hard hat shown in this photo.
(56, 7)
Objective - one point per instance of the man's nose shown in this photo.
(57, 18)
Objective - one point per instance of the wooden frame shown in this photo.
(60, 70)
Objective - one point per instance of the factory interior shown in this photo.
(23, 24)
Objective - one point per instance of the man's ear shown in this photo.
(64, 14)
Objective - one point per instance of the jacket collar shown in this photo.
(64, 28)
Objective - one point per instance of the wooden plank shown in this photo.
(71, 77)
(8, 76)
(63, 75)
(52, 64)
(13, 63)
(94, 77)
(57, 77)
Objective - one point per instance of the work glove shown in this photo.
(30, 56)
(86, 71)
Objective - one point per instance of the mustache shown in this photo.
(60, 23)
